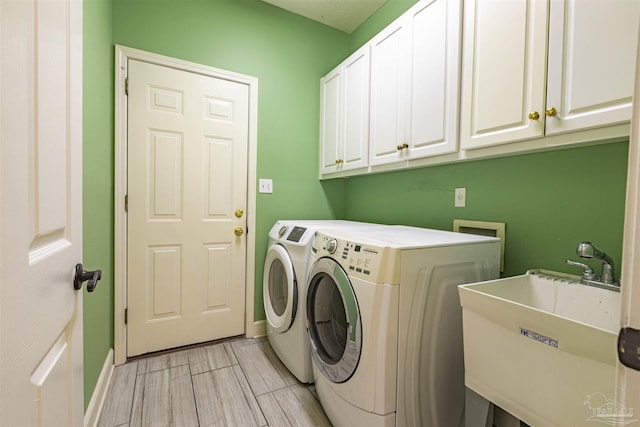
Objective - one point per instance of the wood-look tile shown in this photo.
(164, 361)
(203, 359)
(168, 398)
(251, 399)
(162, 392)
(277, 364)
(247, 341)
(262, 371)
(116, 409)
(138, 396)
(223, 401)
(293, 406)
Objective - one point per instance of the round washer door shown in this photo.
(333, 321)
(280, 289)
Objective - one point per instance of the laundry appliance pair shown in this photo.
(285, 288)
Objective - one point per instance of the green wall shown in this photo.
(549, 201)
(97, 186)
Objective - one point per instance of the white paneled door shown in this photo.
(40, 213)
(187, 196)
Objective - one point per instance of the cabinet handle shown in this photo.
(551, 112)
(534, 115)
(402, 146)
(338, 161)
(238, 231)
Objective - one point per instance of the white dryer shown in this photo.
(385, 323)
(285, 292)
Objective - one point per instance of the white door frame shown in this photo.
(123, 54)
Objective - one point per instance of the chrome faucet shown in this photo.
(606, 279)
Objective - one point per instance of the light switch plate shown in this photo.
(265, 186)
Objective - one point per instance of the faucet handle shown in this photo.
(587, 274)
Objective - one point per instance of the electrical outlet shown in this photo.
(265, 186)
(460, 200)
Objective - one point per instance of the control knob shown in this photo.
(332, 245)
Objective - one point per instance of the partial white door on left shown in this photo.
(187, 197)
(40, 213)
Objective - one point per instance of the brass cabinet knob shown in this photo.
(339, 161)
(534, 115)
(239, 213)
(551, 112)
(402, 146)
(239, 231)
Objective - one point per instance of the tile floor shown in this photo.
(236, 383)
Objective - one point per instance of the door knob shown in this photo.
(239, 231)
(239, 213)
(82, 276)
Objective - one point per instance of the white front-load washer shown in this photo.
(385, 323)
(285, 291)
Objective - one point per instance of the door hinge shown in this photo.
(126, 85)
(126, 203)
(629, 348)
(126, 315)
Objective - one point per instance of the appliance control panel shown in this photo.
(361, 260)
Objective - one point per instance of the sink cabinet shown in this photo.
(513, 90)
(344, 115)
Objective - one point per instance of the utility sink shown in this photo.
(542, 346)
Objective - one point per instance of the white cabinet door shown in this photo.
(592, 52)
(389, 78)
(435, 30)
(356, 111)
(344, 115)
(504, 66)
(330, 120)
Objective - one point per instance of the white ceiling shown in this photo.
(345, 15)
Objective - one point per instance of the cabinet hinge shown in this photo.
(126, 315)
(126, 85)
(126, 203)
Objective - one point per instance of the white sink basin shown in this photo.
(538, 345)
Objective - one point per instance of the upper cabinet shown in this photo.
(415, 70)
(511, 90)
(524, 75)
(592, 59)
(344, 115)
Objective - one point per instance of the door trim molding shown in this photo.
(123, 54)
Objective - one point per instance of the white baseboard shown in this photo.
(92, 415)
(259, 329)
